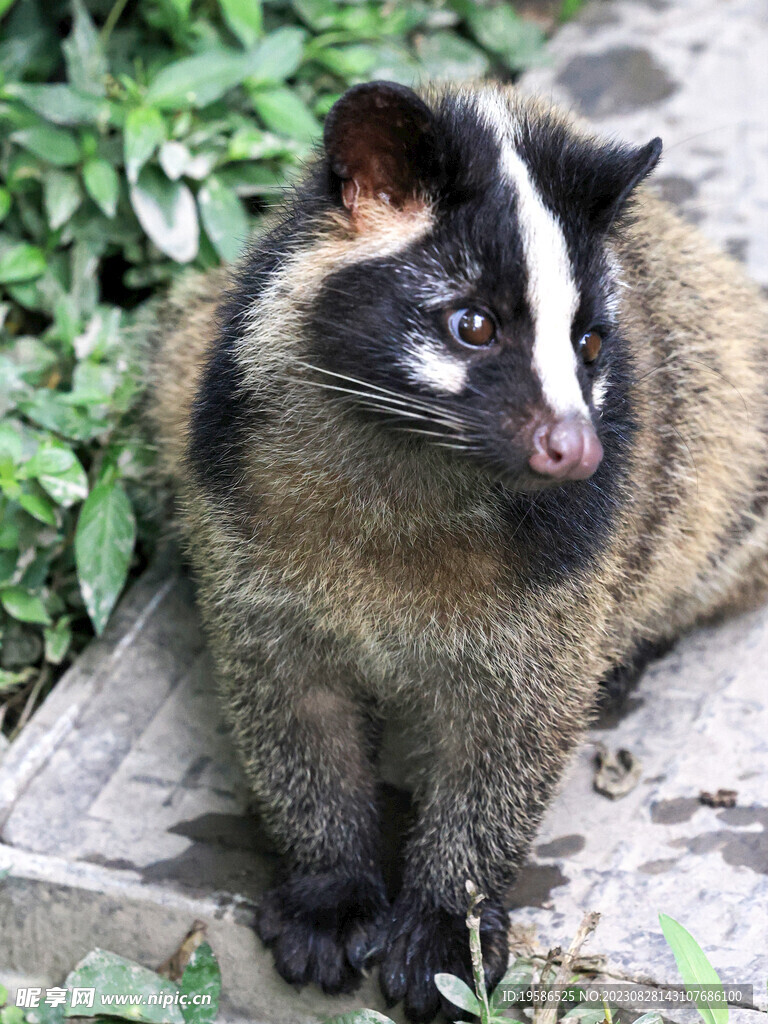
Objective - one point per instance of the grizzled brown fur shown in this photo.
(343, 577)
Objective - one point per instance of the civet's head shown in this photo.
(479, 311)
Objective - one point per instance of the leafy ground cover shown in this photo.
(137, 140)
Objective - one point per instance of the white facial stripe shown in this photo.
(599, 391)
(552, 293)
(437, 370)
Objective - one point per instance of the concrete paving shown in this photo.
(124, 816)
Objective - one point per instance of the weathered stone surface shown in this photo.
(695, 73)
(123, 812)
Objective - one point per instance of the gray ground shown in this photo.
(122, 812)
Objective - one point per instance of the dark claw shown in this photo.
(322, 929)
(423, 942)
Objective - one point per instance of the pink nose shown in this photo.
(567, 449)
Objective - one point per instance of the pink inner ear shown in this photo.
(350, 193)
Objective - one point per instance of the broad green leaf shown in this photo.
(49, 409)
(23, 606)
(21, 263)
(167, 212)
(58, 470)
(57, 640)
(106, 532)
(11, 1015)
(199, 80)
(585, 1014)
(206, 77)
(201, 977)
(174, 158)
(361, 1017)
(60, 103)
(144, 132)
(224, 219)
(278, 56)
(62, 195)
(5, 202)
(349, 61)
(694, 967)
(39, 507)
(518, 976)
(457, 992)
(102, 185)
(446, 55)
(113, 975)
(84, 54)
(54, 145)
(518, 41)
(283, 111)
(244, 18)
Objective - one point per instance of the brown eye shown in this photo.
(472, 327)
(589, 346)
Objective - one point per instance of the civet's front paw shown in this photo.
(424, 941)
(323, 928)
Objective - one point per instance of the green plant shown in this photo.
(136, 140)
(124, 990)
(695, 969)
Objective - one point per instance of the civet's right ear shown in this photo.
(381, 144)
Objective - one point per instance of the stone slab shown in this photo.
(123, 814)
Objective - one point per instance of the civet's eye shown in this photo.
(472, 327)
(589, 346)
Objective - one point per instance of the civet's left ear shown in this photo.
(617, 171)
(381, 144)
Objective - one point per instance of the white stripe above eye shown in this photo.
(552, 293)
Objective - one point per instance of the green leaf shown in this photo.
(84, 54)
(38, 507)
(144, 132)
(361, 1017)
(446, 55)
(244, 18)
(694, 967)
(201, 977)
(199, 80)
(113, 975)
(585, 1014)
(283, 111)
(277, 57)
(518, 41)
(54, 145)
(102, 185)
(62, 195)
(518, 976)
(458, 992)
(5, 202)
(174, 158)
(57, 640)
(166, 210)
(224, 218)
(58, 470)
(106, 532)
(60, 103)
(23, 606)
(11, 1015)
(21, 263)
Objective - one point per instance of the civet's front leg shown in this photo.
(304, 745)
(491, 775)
